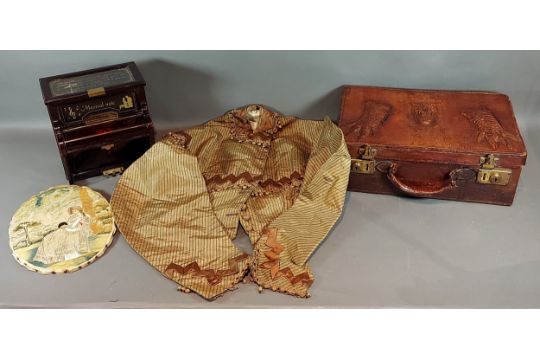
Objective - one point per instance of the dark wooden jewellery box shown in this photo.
(100, 119)
(455, 145)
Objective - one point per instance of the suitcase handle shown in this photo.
(418, 190)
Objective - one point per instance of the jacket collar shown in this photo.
(258, 118)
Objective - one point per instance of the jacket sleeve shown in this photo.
(162, 207)
(289, 240)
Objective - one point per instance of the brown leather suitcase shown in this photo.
(454, 145)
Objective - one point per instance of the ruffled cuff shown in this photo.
(273, 268)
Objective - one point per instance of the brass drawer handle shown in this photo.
(113, 171)
(107, 147)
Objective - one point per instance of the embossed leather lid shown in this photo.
(431, 125)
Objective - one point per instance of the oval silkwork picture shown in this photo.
(62, 229)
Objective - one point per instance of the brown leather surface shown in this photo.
(429, 142)
(425, 189)
(433, 121)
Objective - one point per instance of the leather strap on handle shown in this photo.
(417, 190)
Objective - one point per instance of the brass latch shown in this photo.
(366, 163)
(490, 174)
(113, 171)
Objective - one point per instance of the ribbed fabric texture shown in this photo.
(284, 181)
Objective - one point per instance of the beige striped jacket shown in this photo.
(282, 178)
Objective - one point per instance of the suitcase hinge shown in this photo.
(366, 163)
(490, 174)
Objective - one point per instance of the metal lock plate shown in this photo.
(495, 176)
(491, 175)
(366, 164)
(361, 166)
